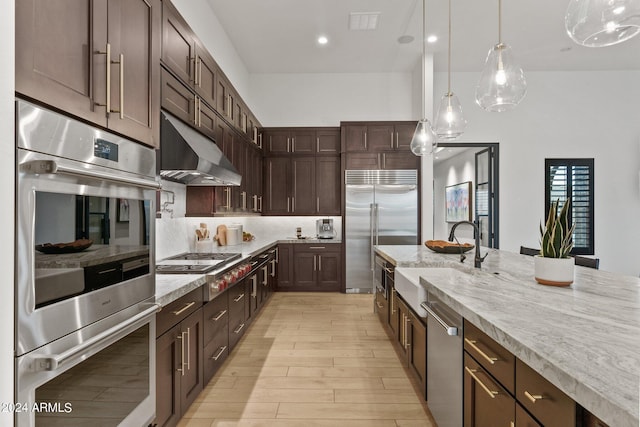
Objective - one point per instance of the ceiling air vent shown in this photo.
(362, 21)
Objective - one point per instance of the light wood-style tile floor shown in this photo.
(312, 360)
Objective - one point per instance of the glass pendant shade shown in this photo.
(598, 23)
(450, 122)
(424, 139)
(502, 84)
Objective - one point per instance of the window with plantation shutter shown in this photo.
(573, 179)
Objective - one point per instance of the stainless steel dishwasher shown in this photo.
(444, 362)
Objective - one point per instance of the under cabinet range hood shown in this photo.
(190, 158)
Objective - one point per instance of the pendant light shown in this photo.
(450, 122)
(424, 139)
(502, 84)
(598, 23)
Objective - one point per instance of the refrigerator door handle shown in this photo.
(371, 236)
(377, 218)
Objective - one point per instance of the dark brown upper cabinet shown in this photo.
(96, 60)
(301, 140)
(377, 136)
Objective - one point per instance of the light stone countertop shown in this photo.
(585, 338)
(170, 287)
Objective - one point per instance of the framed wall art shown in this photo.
(458, 202)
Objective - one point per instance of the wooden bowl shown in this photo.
(445, 247)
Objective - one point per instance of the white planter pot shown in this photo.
(553, 271)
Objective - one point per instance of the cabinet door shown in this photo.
(418, 351)
(57, 60)
(168, 378)
(404, 135)
(285, 267)
(134, 35)
(355, 137)
(178, 44)
(277, 142)
(191, 374)
(403, 325)
(205, 74)
(222, 91)
(303, 141)
(328, 185)
(328, 141)
(400, 160)
(278, 172)
(486, 403)
(303, 189)
(362, 161)
(177, 98)
(380, 137)
(207, 120)
(305, 265)
(381, 306)
(329, 271)
(239, 160)
(200, 201)
(237, 317)
(225, 139)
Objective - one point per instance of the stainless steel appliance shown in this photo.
(324, 228)
(444, 362)
(381, 208)
(80, 305)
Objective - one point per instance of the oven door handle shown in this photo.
(113, 334)
(52, 167)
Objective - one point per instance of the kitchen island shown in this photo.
(584, 339)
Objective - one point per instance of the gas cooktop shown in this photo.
(196, 263)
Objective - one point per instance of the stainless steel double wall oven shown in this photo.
(85, 317)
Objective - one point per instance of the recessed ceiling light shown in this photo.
(323, 40)
(432, 39)
(363, 20)
(405, 39)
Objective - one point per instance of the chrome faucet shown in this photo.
(477, 260)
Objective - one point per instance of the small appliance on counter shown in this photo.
(234, 234)
(324, 228)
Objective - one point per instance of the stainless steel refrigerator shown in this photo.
(381, 209)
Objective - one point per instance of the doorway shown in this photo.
(478, 163)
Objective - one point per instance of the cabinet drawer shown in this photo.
(178, 310)
(497, 360)
(523, 419)
(486, 403)
(542, 399)
(237, 296)
(317, 248)
(215, 353)
(216, 318)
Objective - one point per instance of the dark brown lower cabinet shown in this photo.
(179, 369)
(412, 341)
(523, 419)
(215, 336)
(486, 403)
(316, 267)
(237, 313)
(381, 306)
(285, 267)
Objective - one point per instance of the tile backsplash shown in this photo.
(175, 233)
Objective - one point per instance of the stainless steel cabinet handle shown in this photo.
(472, 372)
(181, 338)
(314, 263)
(397, 141)
(188, 348)
(319, 262)
(293, 144)
(255, 202)
(317, 144)
(293, 204)
(121, 63)
(371, 237)
(239, 298)
(407, 344)
(391, 135)
(220, 351)
(316, 247)
(451, 330)
(254, 286)
(195, 111)
(473, 345)
(111, 270)
(384, 161)
(199, 69)
(243, 195)
(379, 305)
(393, 293)
(183, 309)
(219, 316)
(318, 204)
(265, 275)
(238, 329)
(107, 52)
(533, 397)
(260, 205)
(365, 140)
(273, 268)
(288, 145)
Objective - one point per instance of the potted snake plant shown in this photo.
(554, 266)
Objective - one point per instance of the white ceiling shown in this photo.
(279, 36)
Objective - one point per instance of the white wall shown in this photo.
(454, 170)
(565, 114)
(326, 99)
(7, 189)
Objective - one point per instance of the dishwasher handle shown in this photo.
(451, 330)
